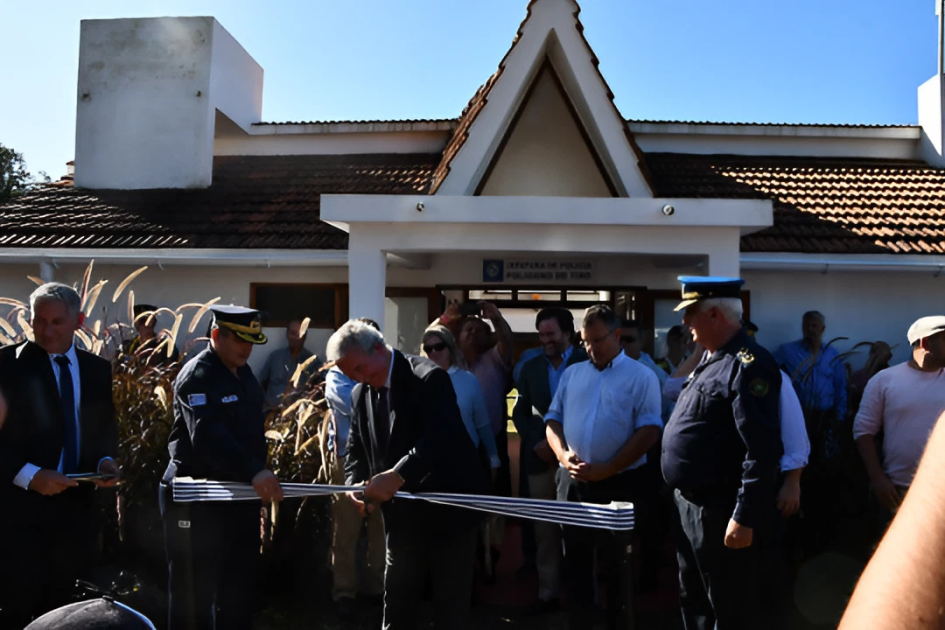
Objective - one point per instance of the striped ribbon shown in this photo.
(614, 516)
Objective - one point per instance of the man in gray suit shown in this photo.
(536, 387)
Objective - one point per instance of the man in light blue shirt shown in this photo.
(604, 417)
(819, 374)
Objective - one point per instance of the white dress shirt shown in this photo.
(601, 409)
(25, 476)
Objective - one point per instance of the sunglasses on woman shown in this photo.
(436, 347)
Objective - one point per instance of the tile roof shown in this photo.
(821, 205)
(481, 97)
(764, 124)
(254, 202)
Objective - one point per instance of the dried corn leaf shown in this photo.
(12, 302)
(24, 324)
(37, 281)
(4, 340)
(126, 282)
(131, 306)
(86, 277)
(161, 395)
(84, 338)
(304, 447)
(274, 435)
(203, 309)
(92, 297)
(7, 327)
(173, 335)
(301, 368)
(304, 327)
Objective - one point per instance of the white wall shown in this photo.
(546, 155)
(331, 144)
(874, 306)
(176, 285)
(930, 117)
(894, 148)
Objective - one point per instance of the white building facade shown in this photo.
(540, 193)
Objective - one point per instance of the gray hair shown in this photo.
(446, 337)
(353, 334)
(730, 307)
(57, 291)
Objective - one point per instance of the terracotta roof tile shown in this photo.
(821, 205)
(254, 202)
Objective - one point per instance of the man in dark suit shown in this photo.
(60, 421)
(407, 434)
(536, 387)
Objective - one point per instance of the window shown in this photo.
(324, 304)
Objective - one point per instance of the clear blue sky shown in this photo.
(814, 61)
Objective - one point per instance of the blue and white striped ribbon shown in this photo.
(613, 516)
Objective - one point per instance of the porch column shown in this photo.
(46, 272)
(724, 260)
(367, 278)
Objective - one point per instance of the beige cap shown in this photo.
(926, 327)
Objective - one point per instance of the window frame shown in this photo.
(341, 302)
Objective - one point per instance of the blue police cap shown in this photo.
(244, 322)
(96, 614)
(698, 288)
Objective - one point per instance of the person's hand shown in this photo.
(267, 486)
(590, 472)
(789, 497)
(489, 310)
(364, 507)
(452, 312)
(738, 536)
(108, 468)
(383, 487)
(50, 482)
(569, 459)
(544, 452)
(886, 493)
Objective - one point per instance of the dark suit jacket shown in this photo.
(428, 446)
(534, 395)
(34, 431)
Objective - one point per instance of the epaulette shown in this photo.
(746, 357)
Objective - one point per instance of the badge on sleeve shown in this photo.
(759, 387)
(746, 357)
(230, 399)
(195, 400)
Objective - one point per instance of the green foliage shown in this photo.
(14, 178)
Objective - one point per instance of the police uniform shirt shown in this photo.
(218, 430)
(724, 434)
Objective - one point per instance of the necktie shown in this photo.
(70, 445)
(382, 414)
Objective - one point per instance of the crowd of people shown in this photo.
(728, 446)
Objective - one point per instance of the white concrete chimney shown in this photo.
(931, 101)
(148, 97)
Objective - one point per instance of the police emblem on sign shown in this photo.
(493, 270)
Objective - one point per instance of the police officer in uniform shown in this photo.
(218, 434)
(721, 451)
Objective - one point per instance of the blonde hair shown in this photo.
(447, 337)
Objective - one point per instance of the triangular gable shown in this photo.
(546, 151)
(551, 31)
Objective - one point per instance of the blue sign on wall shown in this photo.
(493, 270)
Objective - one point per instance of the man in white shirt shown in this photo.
(904, 402)
(603, 419)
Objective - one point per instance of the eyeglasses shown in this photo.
(437, 347)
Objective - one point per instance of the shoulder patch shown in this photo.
(759, 387)
(195, 400)
(230, 399)
(746, 357)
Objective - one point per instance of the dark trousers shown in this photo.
(413, 554)
(212, 551)
(719, 587)
(46, 544)
(503, 480)
(611, 549)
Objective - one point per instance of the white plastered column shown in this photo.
(724, 260)
(367, 278)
